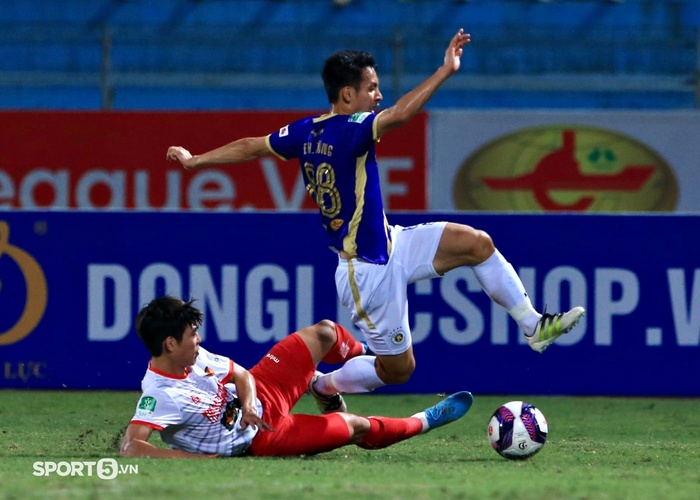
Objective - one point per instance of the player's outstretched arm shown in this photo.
(239, 151)
(247, 393)
(410, 104)
(135, 444)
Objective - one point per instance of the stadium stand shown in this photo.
(267, 54)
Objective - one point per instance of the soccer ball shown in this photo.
(517, 430)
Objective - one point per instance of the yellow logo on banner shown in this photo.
(566, 168)
(35, 303)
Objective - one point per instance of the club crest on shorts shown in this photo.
(398, 336)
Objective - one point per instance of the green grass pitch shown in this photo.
(598, 448)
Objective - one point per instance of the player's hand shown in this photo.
(255, 421)
(177, 153)
(453, 53)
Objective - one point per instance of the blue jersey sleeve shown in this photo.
(365, 132)
(287, 142)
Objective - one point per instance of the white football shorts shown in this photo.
(376, 294)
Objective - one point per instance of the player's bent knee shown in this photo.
(393, 370)
(485, 246)
(325, 330)
(462, 245)
(322, 335)
(478, 242)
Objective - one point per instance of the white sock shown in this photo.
(356, 375)
(424, 420)
(500, 281)
(526, 316)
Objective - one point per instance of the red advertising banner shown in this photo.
(116, 160)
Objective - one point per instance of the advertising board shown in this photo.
(106, 161)
(72, 283)
(564, 161)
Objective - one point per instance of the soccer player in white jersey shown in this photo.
(376, 261)
(206, 405)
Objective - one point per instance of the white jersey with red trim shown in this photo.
(198, 411)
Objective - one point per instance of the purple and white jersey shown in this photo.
(198, 411)
(337, 158)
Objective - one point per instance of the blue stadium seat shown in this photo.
(57, 48)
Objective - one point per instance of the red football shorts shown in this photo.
(281, 378)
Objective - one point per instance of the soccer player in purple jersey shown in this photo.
(376, 261)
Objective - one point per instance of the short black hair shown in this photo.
(344, 68)
(166, 317)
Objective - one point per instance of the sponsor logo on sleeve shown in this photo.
(147, 404)
(284, 131)
(359, 117)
